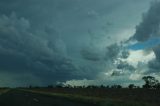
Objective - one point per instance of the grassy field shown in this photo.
(3, 90)
(105, 97)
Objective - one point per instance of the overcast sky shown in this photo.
(78, 42)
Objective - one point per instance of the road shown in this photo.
(22, 98)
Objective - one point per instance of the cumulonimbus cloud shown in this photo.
(21, 50)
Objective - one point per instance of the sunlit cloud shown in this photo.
(139, 56)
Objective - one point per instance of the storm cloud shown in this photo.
(22, 50)
(148, 29)
(60, 40)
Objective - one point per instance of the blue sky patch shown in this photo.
(144, 45)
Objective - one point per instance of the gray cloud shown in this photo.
(124, 53)
(90, 54)
(157, 52)
(115, 50)
(22, 50)
(150, 28)
(125, 66)
(154, 65)
(112, 52)
(55, 40)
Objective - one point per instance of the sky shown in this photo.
(78, 42)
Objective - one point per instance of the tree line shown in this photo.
(150, 83)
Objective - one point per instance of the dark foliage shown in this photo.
(151, 82)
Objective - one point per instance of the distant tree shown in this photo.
(92, 86)
(37, 87)
(131, 86)
(83, 86)
(150, 82)
(157, 86)
(119, 86)
(138, 87)
(107, 86)
(89, 86)
(80, 87)
(74, 86)
(59, 86)
(116, 86)
(68, 86)
(30, 86)
(102, 86)
(50, 86)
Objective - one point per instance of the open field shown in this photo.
(22, 98)
(3, 90)
(105, 97)
(79, 97)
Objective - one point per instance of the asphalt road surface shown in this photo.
(22, 98)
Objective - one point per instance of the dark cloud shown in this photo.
(117, 73)
(149, 27)
(157, 52)
(90, 54)
(125, 66)
(124, 53)
(112, 52)
(50, 40)
(31, 42)
(22, 50)
(154, 65)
